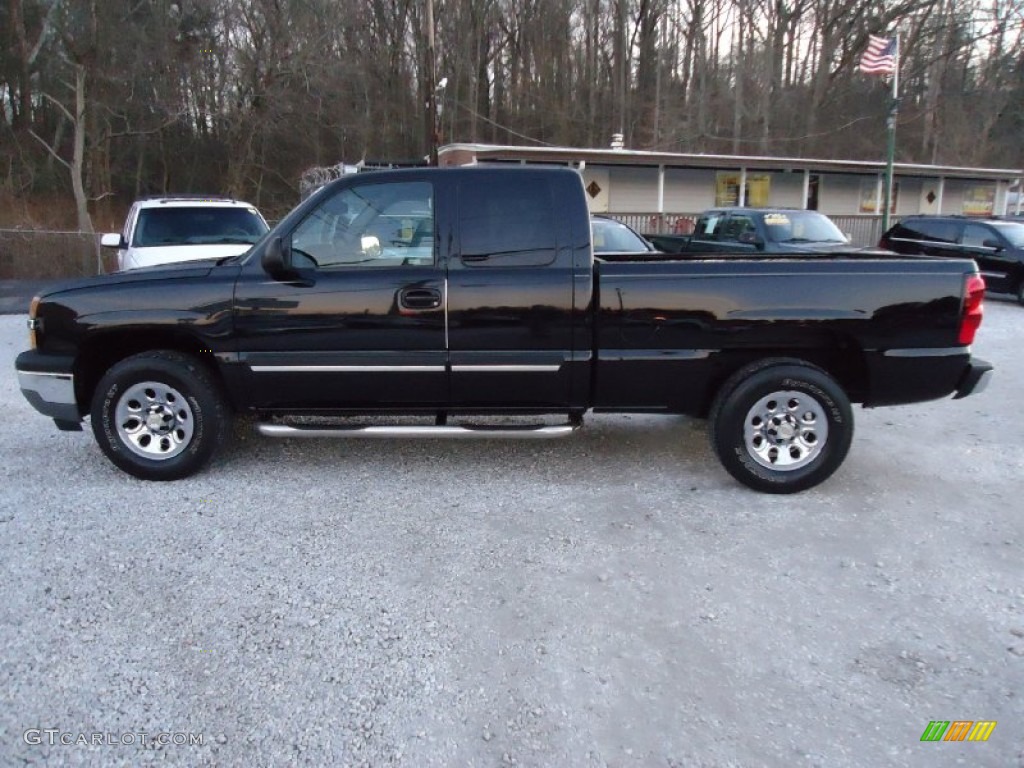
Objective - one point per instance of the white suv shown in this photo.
(162, 230)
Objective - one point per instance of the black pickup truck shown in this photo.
(454, 294)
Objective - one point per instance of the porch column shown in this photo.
(661, 197)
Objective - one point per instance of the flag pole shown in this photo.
(890, 150)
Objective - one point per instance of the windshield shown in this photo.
(801, 227)
(1012, 231)
(197, 226)
(612, 237)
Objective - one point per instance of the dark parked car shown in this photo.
(611, 236)
(997, 245)
(757, 230)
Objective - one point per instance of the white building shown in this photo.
(657, 190)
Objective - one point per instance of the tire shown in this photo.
(781, 426)
(1020, 293)
(159, 415)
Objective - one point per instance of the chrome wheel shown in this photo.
(781, 425)
(154, 420)
(785, 430)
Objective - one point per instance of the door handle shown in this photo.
(419, 298)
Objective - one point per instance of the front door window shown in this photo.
(370, 225)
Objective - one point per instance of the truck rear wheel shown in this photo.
(781, 426)
(159, 415)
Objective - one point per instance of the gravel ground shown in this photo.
(614, 599)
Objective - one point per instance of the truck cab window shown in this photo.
(370, 225)
(734, 226)
(507, 225)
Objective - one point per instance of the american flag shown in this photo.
(880, 56)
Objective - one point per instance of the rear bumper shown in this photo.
(48, 383)
(975, 379)
(900, 376)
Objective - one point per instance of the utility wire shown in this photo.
(503, 127)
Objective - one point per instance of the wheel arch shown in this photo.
(100, 351)
(841, 358)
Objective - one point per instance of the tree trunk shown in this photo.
(23, 110)
(78, 158)
(738, 73)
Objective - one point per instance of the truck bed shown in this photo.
(870, 319)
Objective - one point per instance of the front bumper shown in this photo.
(975, 379)
(47, 382)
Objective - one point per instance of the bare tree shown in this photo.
(124, 97)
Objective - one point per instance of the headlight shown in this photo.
(34, 324)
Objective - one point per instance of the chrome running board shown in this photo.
(522, 432)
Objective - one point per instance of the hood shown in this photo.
(166, 254)
(188, 269)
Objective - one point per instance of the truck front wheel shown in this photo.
(781, 426)
(159, 415)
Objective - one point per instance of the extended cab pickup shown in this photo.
(756, 230)
(460, 293)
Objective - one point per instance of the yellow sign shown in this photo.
(979, 201)
(870, 197)
(727, 189)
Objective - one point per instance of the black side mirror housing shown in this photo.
(277, 258)
(993, 244)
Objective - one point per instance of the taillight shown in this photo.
(34, 324)
(974, 292)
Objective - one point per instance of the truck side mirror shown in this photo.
(277, 258)
(992, 243)
(111, 240)
(750, 238)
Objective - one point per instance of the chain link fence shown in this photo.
(27, 254)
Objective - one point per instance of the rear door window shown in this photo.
(511, 224)
(937, 230)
